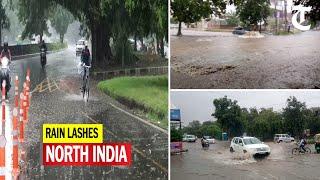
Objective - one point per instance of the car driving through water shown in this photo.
(251, 145)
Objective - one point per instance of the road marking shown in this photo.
(140, 119)
(47, 84)
(134, 148)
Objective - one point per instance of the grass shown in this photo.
(148, 94)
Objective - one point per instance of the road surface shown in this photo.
(218, 163)
(220, 60)
(56, 98)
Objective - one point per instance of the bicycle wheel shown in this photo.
(84, 88)
(87, 91)
(295, 151)
(308, 150)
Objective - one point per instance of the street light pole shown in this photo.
(276, 14)
(285, 15)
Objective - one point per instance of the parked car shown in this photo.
(239, 31)
(250, 145)
(189, 138)
(283, 138)
(210, 139)
(80, 46)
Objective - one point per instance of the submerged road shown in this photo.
(56, 98)
(221, 60)
(219, 164)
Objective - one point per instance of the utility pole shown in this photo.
(276, 14)
(285, 15)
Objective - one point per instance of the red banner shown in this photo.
(100, 154)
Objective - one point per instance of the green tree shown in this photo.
(294, 117)
(60, 20)
(34, 15)
(266, 124)
(314, 14)
(101, 25)
(252, 12)
(233, 19)
(4, 20)
(190, 11)
(175, 135)
(312, 121)
(228, 114)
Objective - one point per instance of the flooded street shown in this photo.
(218, 163)
(223, 60)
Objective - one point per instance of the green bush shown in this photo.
(176, 135)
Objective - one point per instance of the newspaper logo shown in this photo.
(300, 10)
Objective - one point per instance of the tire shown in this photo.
(308, 150)
(295, 151)
(84, 88)
(88, 93)
(231, 150)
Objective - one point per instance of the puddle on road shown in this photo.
(78, 97)
(222, 155)
(228, 158)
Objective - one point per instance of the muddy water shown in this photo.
(218, 163)
(224, 60)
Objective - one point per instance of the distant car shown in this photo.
(189, 138)
(210, 139)
(283, 138)
(80, 46)
(239, 31)
(249, 145)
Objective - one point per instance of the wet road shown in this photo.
(218, 163)
(56, 98)
(222, 60)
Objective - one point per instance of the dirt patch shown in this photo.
(201, 70)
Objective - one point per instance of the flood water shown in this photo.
(218, 163)
(223, 60)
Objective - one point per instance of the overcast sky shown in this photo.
(198, 105)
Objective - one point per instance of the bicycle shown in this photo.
(85, 84)
(298, 150)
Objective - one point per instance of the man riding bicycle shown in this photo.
(85, 60)
(85, 56)
(302, 144)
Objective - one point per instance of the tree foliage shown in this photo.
(105, 21)
(294, 115)
(228, 114)
(34, 15)
(208, 128)
(4, 20)
(262, 123)
(314, 15)
(251, 12)
(60, 20)
(190, 11)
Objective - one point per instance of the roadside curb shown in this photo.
(132, 72)
(34, 54)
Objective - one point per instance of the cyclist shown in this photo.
(85, 56)
(85, 60)
(302, 144)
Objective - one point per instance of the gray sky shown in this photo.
(198, 105)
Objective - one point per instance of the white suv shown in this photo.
(189, 138)
(250, 145)
(283, 138)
